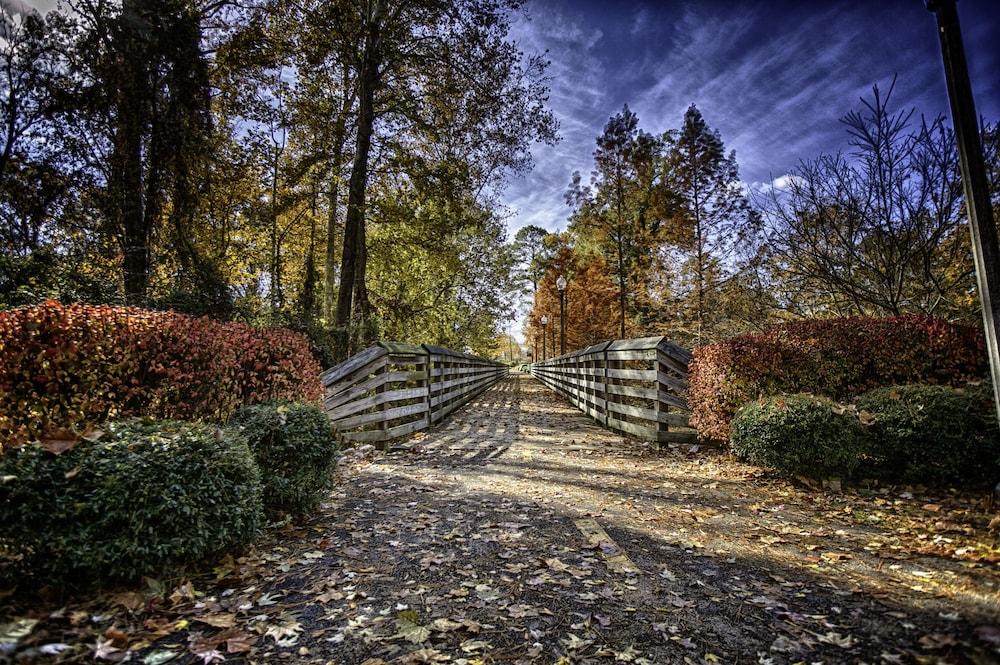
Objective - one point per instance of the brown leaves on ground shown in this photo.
(463, 549)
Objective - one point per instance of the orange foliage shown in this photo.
(70, 366)
(591, 303)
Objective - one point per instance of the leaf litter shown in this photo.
(461, 546)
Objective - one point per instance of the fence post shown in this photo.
(604, 382)
(662, 426)
(383, 424)
(427, 383)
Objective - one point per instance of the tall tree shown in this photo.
(711, 215)
(144, 92)
(443, 74)
(622, 205)
(529, 244)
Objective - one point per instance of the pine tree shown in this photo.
(710, 214)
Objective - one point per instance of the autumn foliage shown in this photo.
(69, 366)
(591, 304)
(837, 358)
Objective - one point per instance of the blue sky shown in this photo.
(773, 77)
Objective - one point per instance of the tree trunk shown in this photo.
(125, 181)
(277, 297)
(330, 265)
(309, 281)
(352, 267)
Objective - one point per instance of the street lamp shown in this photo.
(561, 285)
(545, 322)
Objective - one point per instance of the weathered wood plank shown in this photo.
(352, 364)
(632, 374)
(366, 379)
(599, 539)
(640, 392)
(381, 416)
(634, 411)
(387, 397)
(638, 343)
(673, 383)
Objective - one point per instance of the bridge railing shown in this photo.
(390, 390)
(635, 386)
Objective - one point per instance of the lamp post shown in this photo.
(545, 322)
(985, 250)
(561, 285)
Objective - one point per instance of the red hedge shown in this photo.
(837, 358)
(75, 365)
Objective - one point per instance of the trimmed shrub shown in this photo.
(801, 435)
(932, 434)
(295, 447)
(68, 366)
(838, 358)
(144, 498)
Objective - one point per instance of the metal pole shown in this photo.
(545, 355)
(562, 323)
(985, 250)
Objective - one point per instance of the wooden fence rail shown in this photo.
(390, 389)
(634, 386)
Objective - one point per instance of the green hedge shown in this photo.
(295, 447)
(799, 435)
(145, 498)
(932, 434)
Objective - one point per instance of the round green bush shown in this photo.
(146, 497)
(932, 434)
(801, 435)
(296, 449)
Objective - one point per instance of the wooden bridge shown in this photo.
(524, 509)
(635, 386)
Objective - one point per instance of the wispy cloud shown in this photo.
(773, 78)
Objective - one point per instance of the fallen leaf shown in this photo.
(409, 629)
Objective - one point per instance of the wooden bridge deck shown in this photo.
(519, 531)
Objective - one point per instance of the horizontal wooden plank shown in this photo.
(378, 399)
(639, 392)
(458, 371)
(638, 431)
(632, 374)
(637, 343)
(365, 379)
(678, 354)
(403, 348)
(648, 415)
(454, 393)
(404, 377)
(381, 416)
(646, 355)
(673, 400)
(367, 435)
(674, 419)
(671, 382)
(351, 365)
(440, 386)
